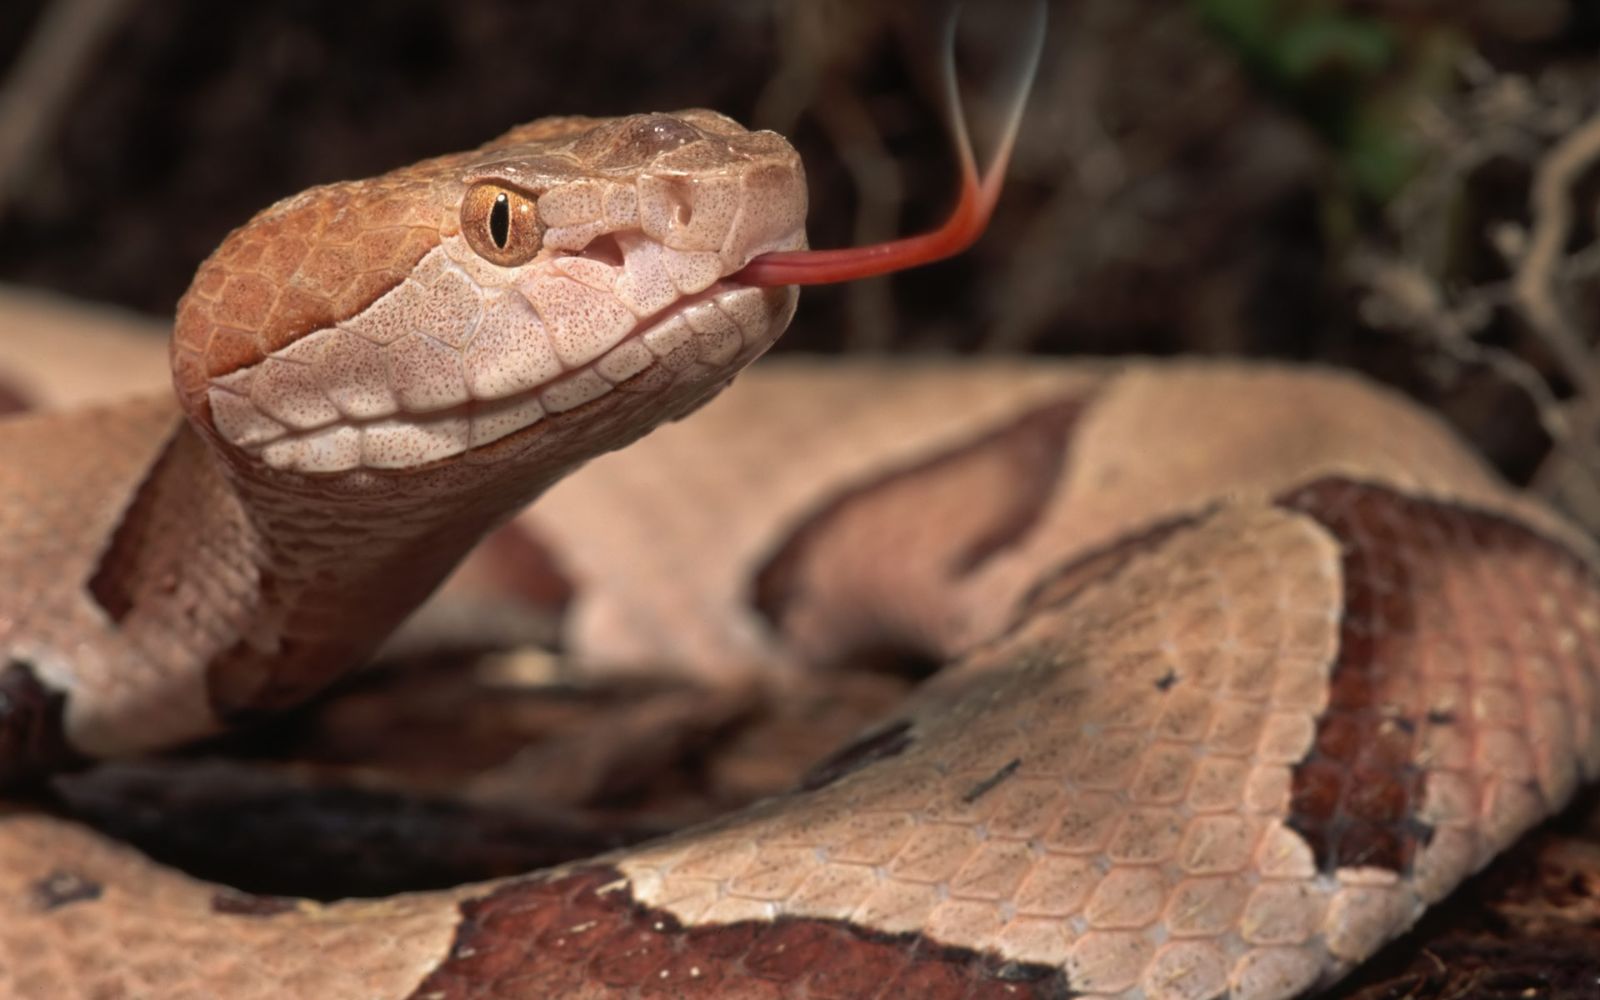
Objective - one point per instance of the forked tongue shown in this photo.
(966, 223)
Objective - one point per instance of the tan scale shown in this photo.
(1262, 667)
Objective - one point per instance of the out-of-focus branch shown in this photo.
(1401, 295)
(41, 81)
(1522, 328)
(1535, 286)
(1570, 474)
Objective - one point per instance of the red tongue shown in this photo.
(822, 267)
(966, 223)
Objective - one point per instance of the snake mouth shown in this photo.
(713, 328)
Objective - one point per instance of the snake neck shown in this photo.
(290, 583)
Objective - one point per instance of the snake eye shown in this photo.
(501, 224)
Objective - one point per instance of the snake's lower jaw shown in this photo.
(513, 448)
(693, 351)
(698, 342)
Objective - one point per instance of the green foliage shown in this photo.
(1352, 77)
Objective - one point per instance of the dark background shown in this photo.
(1283, 178)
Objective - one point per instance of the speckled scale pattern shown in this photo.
(1101, 792)
(57, 519)
(201, 580)
(1137, 838)
(579, 935)
(129, 929)
(302, 265)
(1227, 430)
(1260, 731)
(1464, 704)
(353, 299)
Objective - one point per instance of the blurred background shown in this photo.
(1398, 186)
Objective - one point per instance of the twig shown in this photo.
(1534, 286)
(1416, 302)
(42, 80)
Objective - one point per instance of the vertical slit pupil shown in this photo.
(500, 221)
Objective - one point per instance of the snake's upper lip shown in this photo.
(713, 326)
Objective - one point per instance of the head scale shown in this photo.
(559, 290)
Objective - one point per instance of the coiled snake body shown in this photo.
(1245, 667)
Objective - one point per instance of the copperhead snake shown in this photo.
(1245, 666)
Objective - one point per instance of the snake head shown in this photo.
(550, 295)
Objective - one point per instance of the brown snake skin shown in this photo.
(1244, 666)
